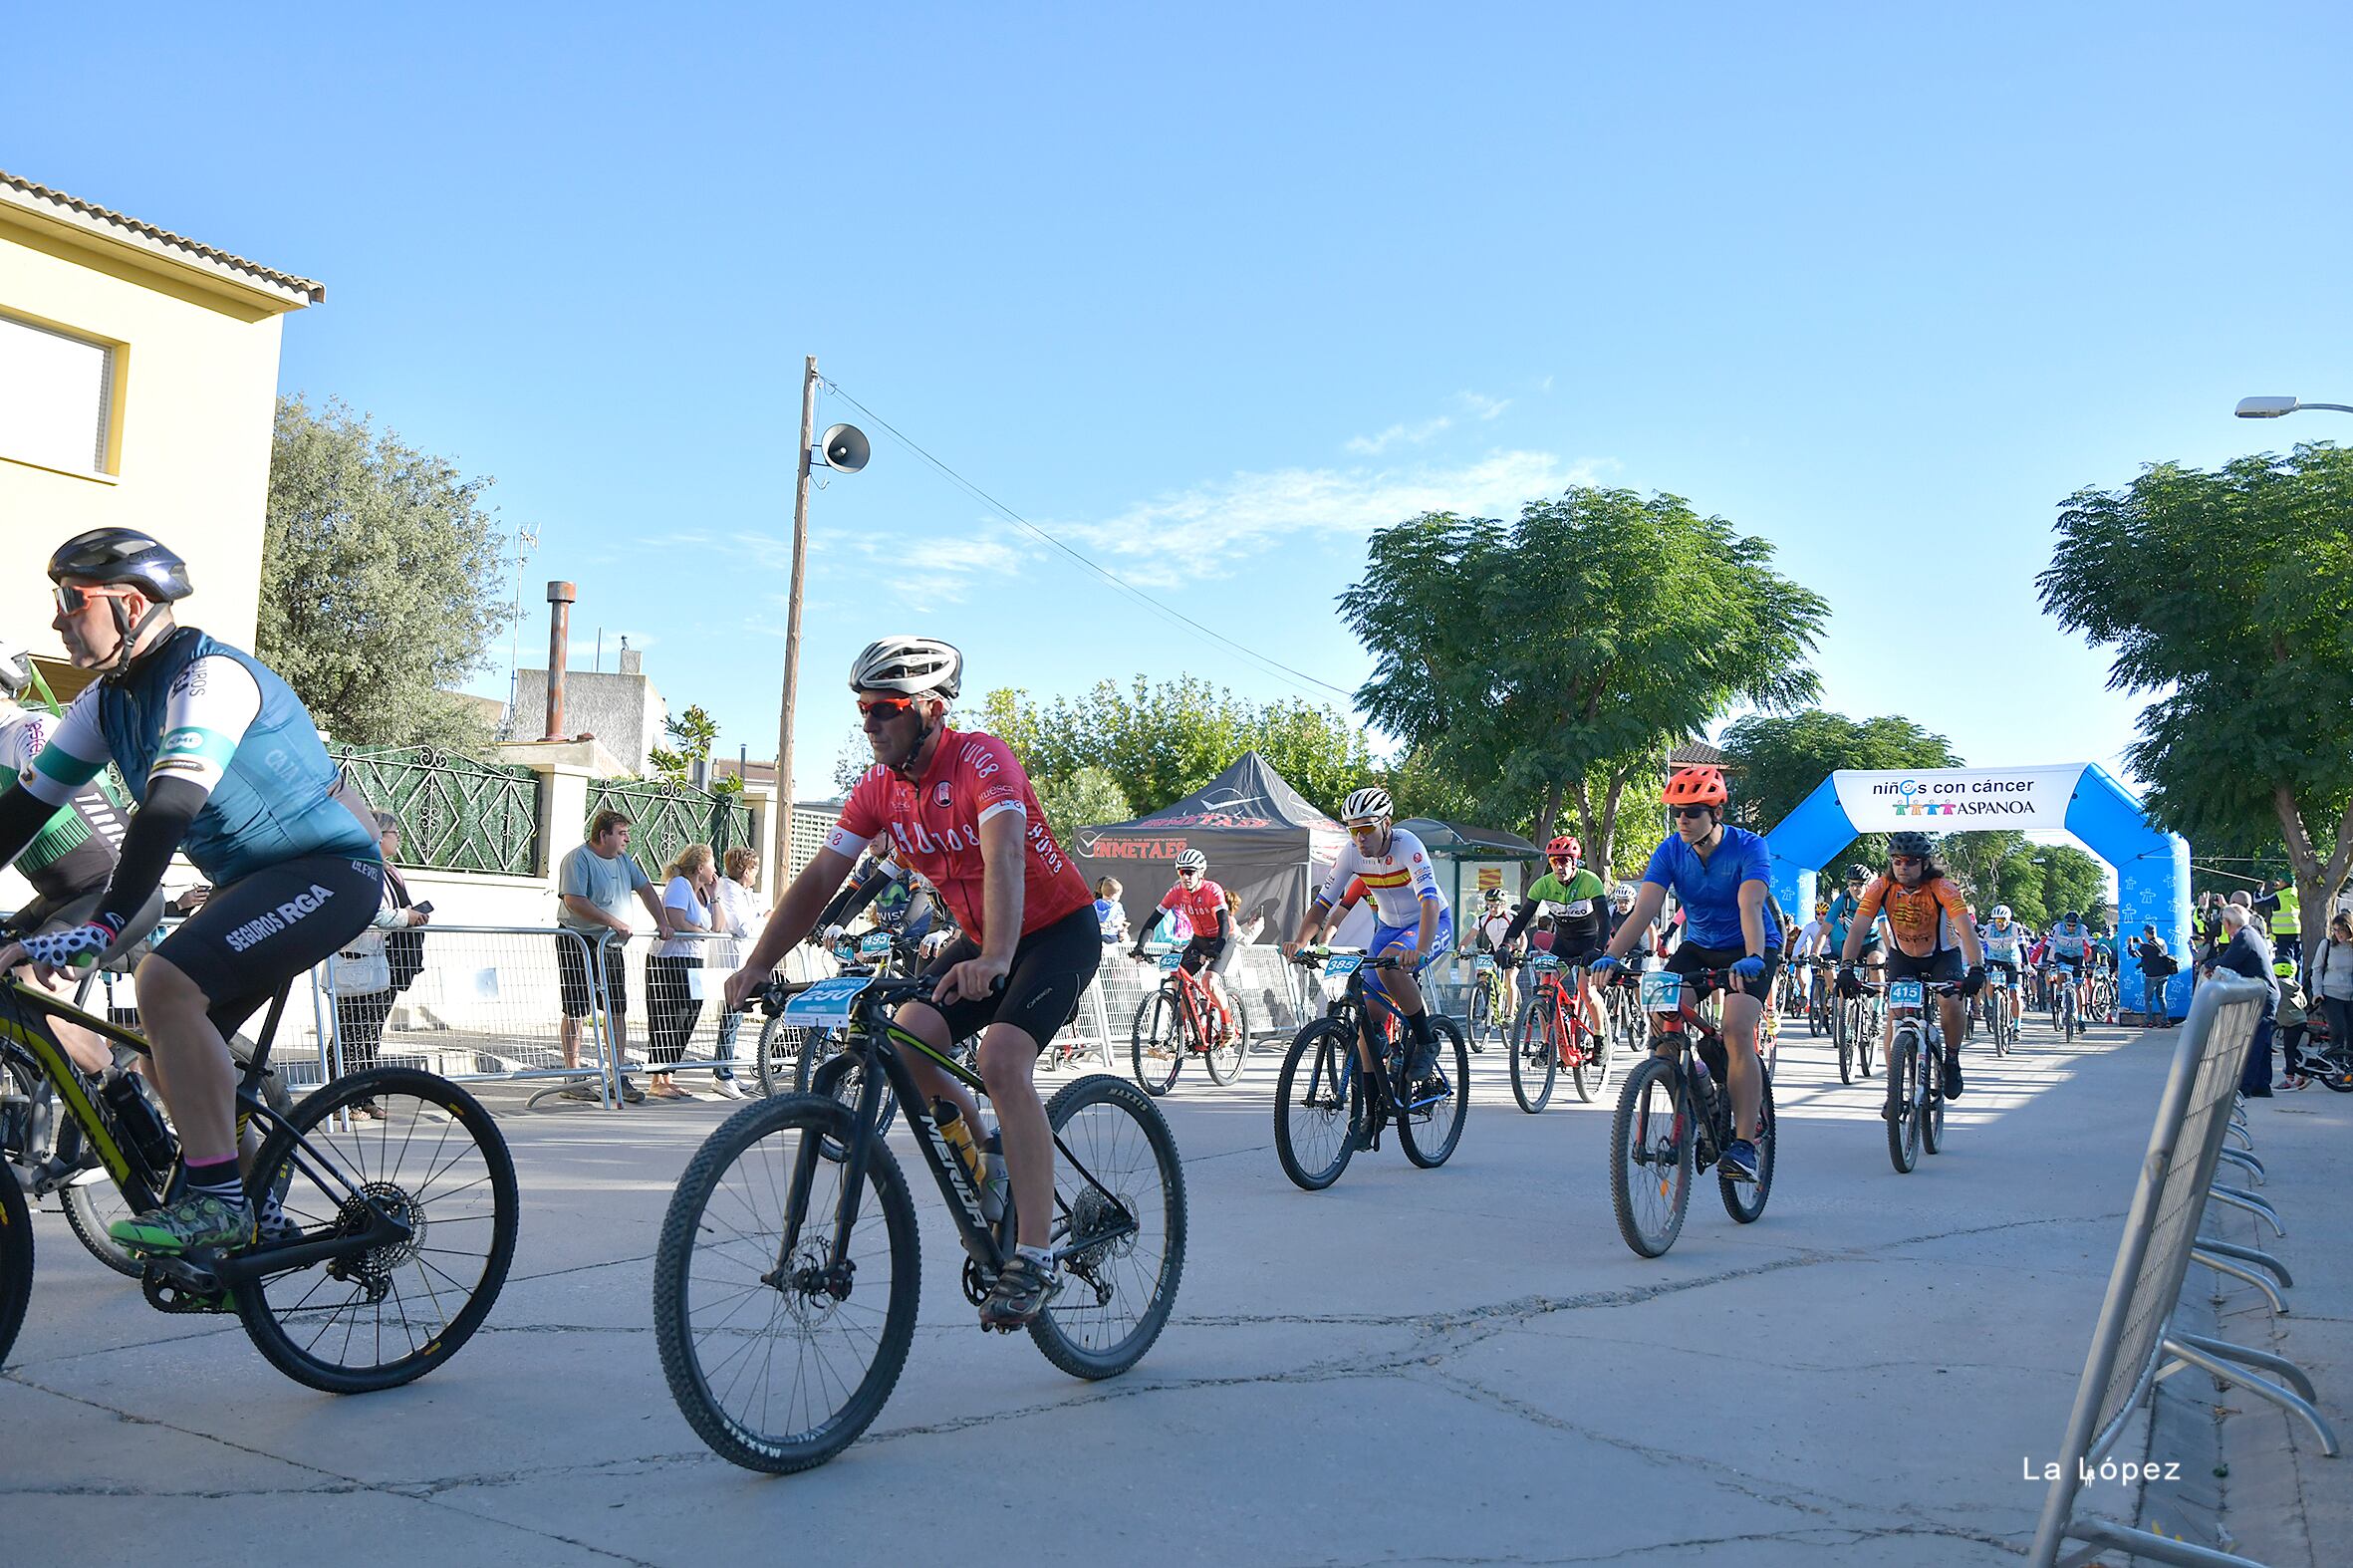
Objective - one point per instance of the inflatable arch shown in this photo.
(2152, 867)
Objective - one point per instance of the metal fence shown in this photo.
(666, 818)
(2135, 1343)
(455, 813)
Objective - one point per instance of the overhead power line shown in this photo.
(1266, 663)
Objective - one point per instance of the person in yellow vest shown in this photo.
(2282, 913)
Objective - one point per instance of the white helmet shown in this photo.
(1371, 801)
(1622, 895)
(919, 666)
(16, 671)
(1192, 859)
(2001, 911)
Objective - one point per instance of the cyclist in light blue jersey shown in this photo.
(2006, 942)
(224, 761)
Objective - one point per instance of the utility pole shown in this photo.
(780, 847)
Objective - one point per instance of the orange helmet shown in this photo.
(1696, 786)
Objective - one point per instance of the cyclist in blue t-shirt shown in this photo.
(1720, 875)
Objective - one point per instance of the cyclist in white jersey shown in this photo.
(1410, 918)
(2005, 942)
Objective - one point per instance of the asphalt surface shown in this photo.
(1459, 1366)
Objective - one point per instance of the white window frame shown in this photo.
(50, 453)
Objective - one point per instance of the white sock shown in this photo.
(1041, 1257)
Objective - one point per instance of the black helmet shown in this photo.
(123, 555)
(1909, 845)
(2072, 918)
(1858, 874)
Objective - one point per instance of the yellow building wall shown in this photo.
(196, 386)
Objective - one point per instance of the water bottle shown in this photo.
(141, 1126)
(950, 1123)
(994, 1184)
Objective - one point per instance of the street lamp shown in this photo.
(2274, 407)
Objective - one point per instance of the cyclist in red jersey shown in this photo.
(961, 812)
(1207, 913)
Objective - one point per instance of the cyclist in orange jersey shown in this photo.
(1932, 935)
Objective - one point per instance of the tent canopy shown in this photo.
(1264, 838)
(1469, 843)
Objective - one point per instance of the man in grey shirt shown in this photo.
(593, 886)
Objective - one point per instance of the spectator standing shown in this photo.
(2295, 1017)
(672, 1005)
(2157, 966)
(2283, 913)
(2247, 954)
(1110, 913)
(1240, 934)
(737, 911)
(359, 1020)
(594, 884)
(2331, 974)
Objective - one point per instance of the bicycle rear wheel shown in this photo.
(1158, 1041)
(1650, 1159)
(1535, 1063)
(774, 1362)
(1746, 1201)
(1429, 1131)
(1317, 1100)
(1931, 1104)
(1591, 1075)
(16, 1260)
(1902, 1119)
(1119, 1229)
(433, 1160)
(1224, 1059)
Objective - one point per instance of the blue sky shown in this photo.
(1212, 295)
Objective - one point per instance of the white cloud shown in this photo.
(1484, 406)
(1545, 384)
(1207, 529)
(1412, 435)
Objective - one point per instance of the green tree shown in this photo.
(1558, 659)
(2228, 595)
(1085, 799)
(695, 732)
(1157, 743)
(1783, 758)
(379, 583)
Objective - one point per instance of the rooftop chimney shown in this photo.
(559, 633)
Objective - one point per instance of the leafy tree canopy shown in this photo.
(2228, 598)
(1783, 758)
(379, 583)
(694, 731)
(1556, 660)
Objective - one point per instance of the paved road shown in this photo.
(1460, 1366)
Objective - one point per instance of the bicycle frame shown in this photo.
(1680, 1027)
(1564, 1019)
(145, 1189)
(1354, 1007)
(878, 1044)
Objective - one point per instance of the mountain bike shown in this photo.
(2102, 990)
(2059, 985)
(1856, 1020)
(1914, 1110)
(2001, 1028)
(384, 1242)
(1489, 1017)
(1326, 1104)
(1819, 1001)
(1184, 1018)
(786, 1280)
(1552, 1034)
(2321, 1060)
(1675, 1117)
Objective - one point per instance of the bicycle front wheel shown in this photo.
(1317, 1100)
(1535, 1063)
(776, 1359)
(1903, 1116)
(430, 1158)
(1849, 1025)
(1119, 1229)
(1432, 1122)
(16, 1260)
(1156, 1042)
(1650, 1162)
(1224, 1059)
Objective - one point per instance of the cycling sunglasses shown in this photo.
(73, 599)
(889, 707)
(1689, 811)
(1906, 860)
(1190, 871)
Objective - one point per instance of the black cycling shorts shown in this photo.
(260, 932)
(1051, 969)
(1201, 952)
(1942, 964)
(1691, 959)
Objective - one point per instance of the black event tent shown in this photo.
(1263, 840)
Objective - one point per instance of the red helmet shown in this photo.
(1565, 844)
(1696, 786)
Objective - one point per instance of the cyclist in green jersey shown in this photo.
(1577, 901)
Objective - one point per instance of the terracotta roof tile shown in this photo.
(312, 290)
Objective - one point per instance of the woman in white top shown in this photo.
(739, 912)
(670, 1004)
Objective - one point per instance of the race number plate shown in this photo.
(1662, 993)
(1904, 993)
(1171, 960)
(1544, 964)
(1482, 964)
(826, 1004)
(1340, 965)
(875, 944)
(1999, 979)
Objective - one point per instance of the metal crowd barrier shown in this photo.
(2136, 1344)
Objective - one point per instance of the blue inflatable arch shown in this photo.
(2152, 867)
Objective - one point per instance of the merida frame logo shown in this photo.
(1984, 797)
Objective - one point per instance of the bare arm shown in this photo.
(588, 910)
(1752, 930)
